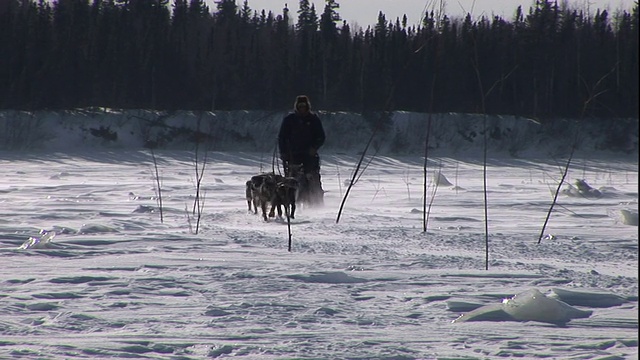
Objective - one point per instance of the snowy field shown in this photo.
(115, 282)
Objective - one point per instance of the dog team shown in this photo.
(273, 190)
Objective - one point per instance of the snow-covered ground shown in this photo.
(115, 282)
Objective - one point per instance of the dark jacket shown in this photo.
(300, 136)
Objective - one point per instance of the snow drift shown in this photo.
(401, 132)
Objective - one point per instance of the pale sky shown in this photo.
(365, 12)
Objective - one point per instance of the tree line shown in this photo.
(552, 61)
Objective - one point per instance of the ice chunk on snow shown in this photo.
(441, 180)
(587, 298)
(531, 305)
(336, 277)
(629, 217)
(38, 242)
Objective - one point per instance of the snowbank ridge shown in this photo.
(401, 132)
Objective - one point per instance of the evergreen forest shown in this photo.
(547, 61)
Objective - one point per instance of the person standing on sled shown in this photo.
(301, 135)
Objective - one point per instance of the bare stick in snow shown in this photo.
(592, 97)
(339, 180)
(425, 211)
(555, 195)
(198, 202)
(483, 96)
(405, 179)
(158, 187)
(355, 173)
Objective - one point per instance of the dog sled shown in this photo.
(310, 192)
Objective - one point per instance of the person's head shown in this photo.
(302, 104)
